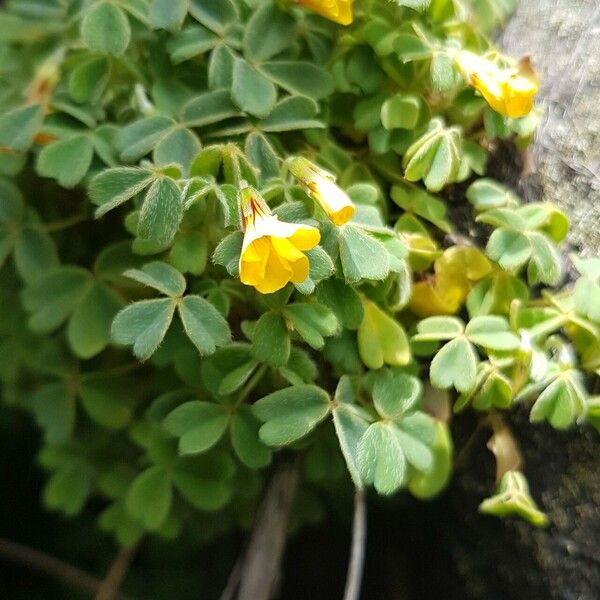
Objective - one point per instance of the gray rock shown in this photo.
(563, 39)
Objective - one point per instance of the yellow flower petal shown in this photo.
(273, 251)
(321, 187)
(339, 11)
(508, 90)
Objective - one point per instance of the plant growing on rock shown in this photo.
(227, 237)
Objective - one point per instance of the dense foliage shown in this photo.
(225, 229)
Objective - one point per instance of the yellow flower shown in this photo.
(339, 11)
(321, 187)
(272, 251)
(508, 90)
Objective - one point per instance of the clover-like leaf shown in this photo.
(143, 325)
(204, 324)
(455, 365)
(395, 393)
(198, 425)
(381, 339)
(514, 498)
(562, 402)
(291, 413)
(161, 277)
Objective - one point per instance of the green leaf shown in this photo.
(191, 42)
(313, 322)
(362, 256)
(271, 340)
(351, 423)
(89, 326)
(425, 485)
(343, 300)
(161, 277)
(89, 79)
(442, 73)
(410, 47)
(492, 332)
(434, 157)
(381, 339)
(438, 328)
(546, 264)
(381, 458)
(105, 28)
(107, 400)
(189, 253)
(143, 325)
(511, 249)
(19, 126)
(416, 4)
(180, 146)
(227, 253)
(67, 161)
(34, 253)
(150, 496)
(268, 32)
(513, 498)
(245, 439)
(205, 481)
(560, 403)
(53, 407)
(401, 111)
(208, 108)
(168, 14)
(587, 299)
(161, 212)
(115, 186)
(69, 487)
(137, 139)
(300, 77)
(291, 113)
(291, 413)
(416, 434)
(251, 90)
(214, 14)
(53, 297)
(198, 425)
(395, 393)
(485, 194)
(220, 68)
(203, 324)
(455, 365)
(262, 155)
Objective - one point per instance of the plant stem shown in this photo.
(109, 589)
(260, 567)
(50, 565)
(65, 223)
(357, 549)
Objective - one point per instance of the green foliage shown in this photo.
(163, 385)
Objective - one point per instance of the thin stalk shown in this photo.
(358, 547)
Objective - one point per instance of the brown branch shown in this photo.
(260, 567)
(50, 565)
(357, 549)
(109, 589)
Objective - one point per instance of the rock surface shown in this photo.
(506, 560)
(563, 39)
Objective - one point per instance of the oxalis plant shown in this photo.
(227, 247)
